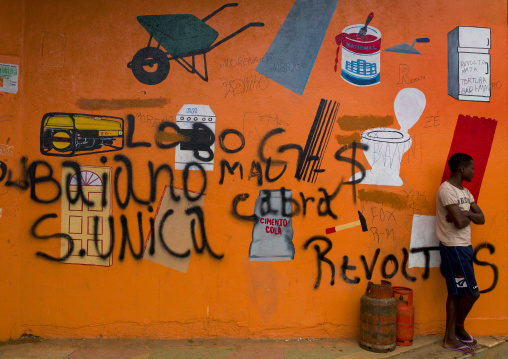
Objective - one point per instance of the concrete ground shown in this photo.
(423, 347)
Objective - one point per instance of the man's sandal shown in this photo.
(471, 342)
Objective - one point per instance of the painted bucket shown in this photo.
(361, 57)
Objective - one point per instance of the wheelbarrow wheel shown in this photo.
(150, 66)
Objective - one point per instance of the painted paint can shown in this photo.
(361, 56)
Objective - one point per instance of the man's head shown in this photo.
(463, 164)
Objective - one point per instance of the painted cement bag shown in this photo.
(272, 235)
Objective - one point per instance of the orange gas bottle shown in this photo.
(405, 315)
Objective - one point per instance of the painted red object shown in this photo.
(405, 315)
(473, 136)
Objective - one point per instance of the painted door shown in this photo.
(78, 217)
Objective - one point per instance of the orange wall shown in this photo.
(74, 60)
(11, 142)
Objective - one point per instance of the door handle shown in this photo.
(487, 69)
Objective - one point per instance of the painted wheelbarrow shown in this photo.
(182, 36)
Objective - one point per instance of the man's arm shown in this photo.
(475, 214)
(458, 217)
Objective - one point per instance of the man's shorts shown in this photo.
(457, 268)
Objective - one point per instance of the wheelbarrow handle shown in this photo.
(219, 10)
(256, 24)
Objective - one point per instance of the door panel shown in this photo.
(474, 74)
(78, 219)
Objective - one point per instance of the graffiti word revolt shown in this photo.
(389, 266)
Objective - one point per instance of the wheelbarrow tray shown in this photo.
(180, 34)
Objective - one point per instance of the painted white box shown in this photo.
(423, 235)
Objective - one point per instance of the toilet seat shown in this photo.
(385, 144)
(389, 135)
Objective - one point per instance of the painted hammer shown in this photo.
(362, 222)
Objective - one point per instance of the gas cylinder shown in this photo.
(405, 315)
(378, 318)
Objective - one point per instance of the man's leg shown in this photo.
(450, 340)
(452, 303)
(466, 301)
(465, 304)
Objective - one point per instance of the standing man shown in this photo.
(456, 210)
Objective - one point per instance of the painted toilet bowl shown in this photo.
(386, 146)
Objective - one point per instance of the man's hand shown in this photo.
(458, 216)
(475, 214)
(462, 218)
